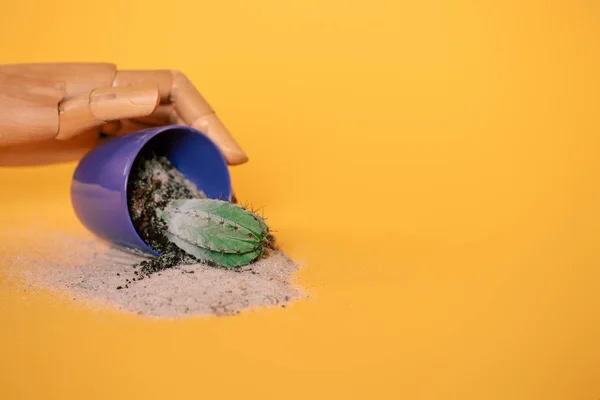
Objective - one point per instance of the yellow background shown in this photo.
(433, 164)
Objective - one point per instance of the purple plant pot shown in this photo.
(99, 190)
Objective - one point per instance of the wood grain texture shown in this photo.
(62, 100)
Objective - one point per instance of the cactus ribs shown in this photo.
(155, 186)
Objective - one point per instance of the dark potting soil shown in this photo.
(153, 182)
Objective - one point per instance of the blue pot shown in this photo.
(99, 187)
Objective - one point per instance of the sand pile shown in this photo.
(84, 267)
(173, 285)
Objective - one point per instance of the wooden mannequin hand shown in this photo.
(64, 107)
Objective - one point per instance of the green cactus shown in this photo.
(216, 231)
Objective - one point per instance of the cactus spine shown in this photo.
(216, 231)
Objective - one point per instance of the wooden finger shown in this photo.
(163, 115)
(163, 79)
(72, 77)
(197, 113)
(190, 108)
(104, 105)
(176, 120)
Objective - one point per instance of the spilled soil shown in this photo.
(82, 267)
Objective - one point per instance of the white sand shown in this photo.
(85, 267)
